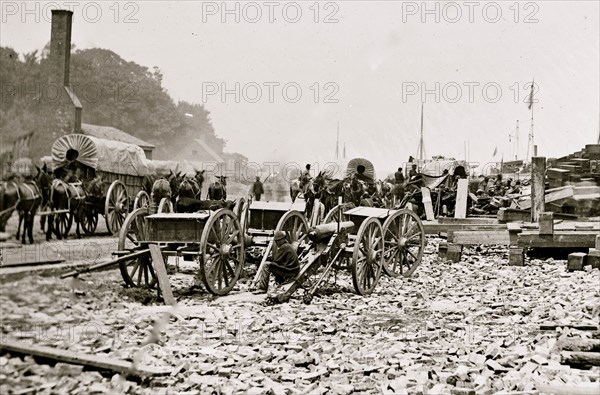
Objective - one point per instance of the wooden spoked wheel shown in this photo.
(116, 207)
(137, 272)
(404, 243)
(63, 223)
(367, 258)
(141, 200)
(294, 225)
(337, 213)
(222, 252)
(238, 209)
(165, 206)
(89, 219)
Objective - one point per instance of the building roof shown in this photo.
(110, 133)
(216, 157)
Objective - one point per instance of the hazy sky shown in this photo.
(362, 69)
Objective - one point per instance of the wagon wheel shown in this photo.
(137, 272)
(89, 219)
(63, 223)
(141, 200)
(404, 243)
(238, 209)
(294, 224)
(116, 206)
(337, 213)
(367, 258)
(165, 206)
(221, 252)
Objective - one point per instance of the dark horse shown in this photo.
(44, 181)
(25, 197)
(218, 189)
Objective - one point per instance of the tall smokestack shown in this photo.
(60, 46)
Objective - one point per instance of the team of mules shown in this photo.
(356, 189)
(66, 195)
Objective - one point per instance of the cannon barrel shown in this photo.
(324, 231)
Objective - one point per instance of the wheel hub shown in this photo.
(225, 251)
(402, 243)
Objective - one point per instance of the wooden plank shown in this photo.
(479, 237)
(427, 203)
(557, 240)
(566, 389)
(433, 227)
(538, 172)
(470, 220)
(161, 274)
(33, 263)
(462, 193)
(552, 195)
(93, 361)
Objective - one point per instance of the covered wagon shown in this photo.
(121, 167)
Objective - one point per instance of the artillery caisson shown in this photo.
(363, 240)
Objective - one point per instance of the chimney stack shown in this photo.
(60, 46)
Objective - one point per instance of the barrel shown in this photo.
(324, 231)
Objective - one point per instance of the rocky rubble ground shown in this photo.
(466, 328)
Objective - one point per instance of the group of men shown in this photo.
(497, 186)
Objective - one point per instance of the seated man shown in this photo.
(285, 265)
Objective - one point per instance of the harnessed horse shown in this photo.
(25, 197)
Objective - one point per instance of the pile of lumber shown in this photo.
(580, 166)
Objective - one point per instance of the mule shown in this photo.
(25, 197)
(218, 189)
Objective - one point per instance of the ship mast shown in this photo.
(421, 147)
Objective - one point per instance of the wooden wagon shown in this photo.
(217, 240)
(121, 167)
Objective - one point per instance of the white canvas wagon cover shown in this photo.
(339, 170)
(104, 155)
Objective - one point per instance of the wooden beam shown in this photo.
(462, 193)
(579, 344)
(426, 193)
(161, 274)
(538, 173)
(479, 237)
(557, 240)
(552, 195)
(550, 326)
(93, 361)
(581, 358)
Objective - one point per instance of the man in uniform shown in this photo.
(285, 265)
(305, 177)
(412, 172)
(398, 176)
(257, 189)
